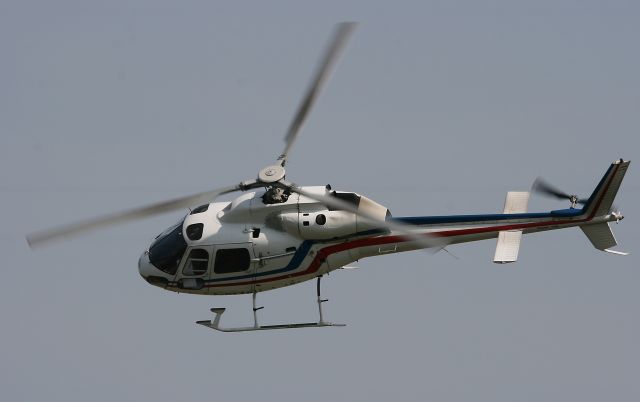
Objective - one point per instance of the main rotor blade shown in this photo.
(42, 237)
(425, 240)
(542, 187)
(341, 34)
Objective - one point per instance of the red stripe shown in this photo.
(322, 254)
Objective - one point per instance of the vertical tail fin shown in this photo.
(509, 240)
(602, 198)
(599, 204)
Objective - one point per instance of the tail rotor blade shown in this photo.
(542, 187)
(39, 238)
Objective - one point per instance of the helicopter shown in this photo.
(279, 234)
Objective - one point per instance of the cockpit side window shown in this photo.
(197, 262)
(232, 260)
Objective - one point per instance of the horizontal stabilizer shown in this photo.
(508, 246)
(516, 202)
(509, 241)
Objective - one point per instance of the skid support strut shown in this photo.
(320, 301)
(215, 324)
(255, 311)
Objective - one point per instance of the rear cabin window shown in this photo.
(232, 260)
(197, 262)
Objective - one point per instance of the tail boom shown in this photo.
(467, 228)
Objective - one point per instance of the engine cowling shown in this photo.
(316, 222)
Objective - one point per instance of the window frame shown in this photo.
(187, 258)
(167, 240)
(198, 227)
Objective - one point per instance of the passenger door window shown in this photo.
(197, 262)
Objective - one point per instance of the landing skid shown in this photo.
(215, 324)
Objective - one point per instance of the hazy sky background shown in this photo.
(435, 108)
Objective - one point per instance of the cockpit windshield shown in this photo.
(167, 249)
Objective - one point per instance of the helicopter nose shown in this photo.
(149, 272)
(144, 266)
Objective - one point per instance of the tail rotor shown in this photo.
(542, 187)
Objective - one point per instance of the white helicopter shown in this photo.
(281, 234)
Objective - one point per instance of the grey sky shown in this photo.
(435, 108)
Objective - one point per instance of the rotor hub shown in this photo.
(271, 174)
(574, 200)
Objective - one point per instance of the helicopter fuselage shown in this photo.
(250, 246)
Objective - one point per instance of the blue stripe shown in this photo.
(432, 220)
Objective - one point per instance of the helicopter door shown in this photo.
(233, 262)
(195, 269)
